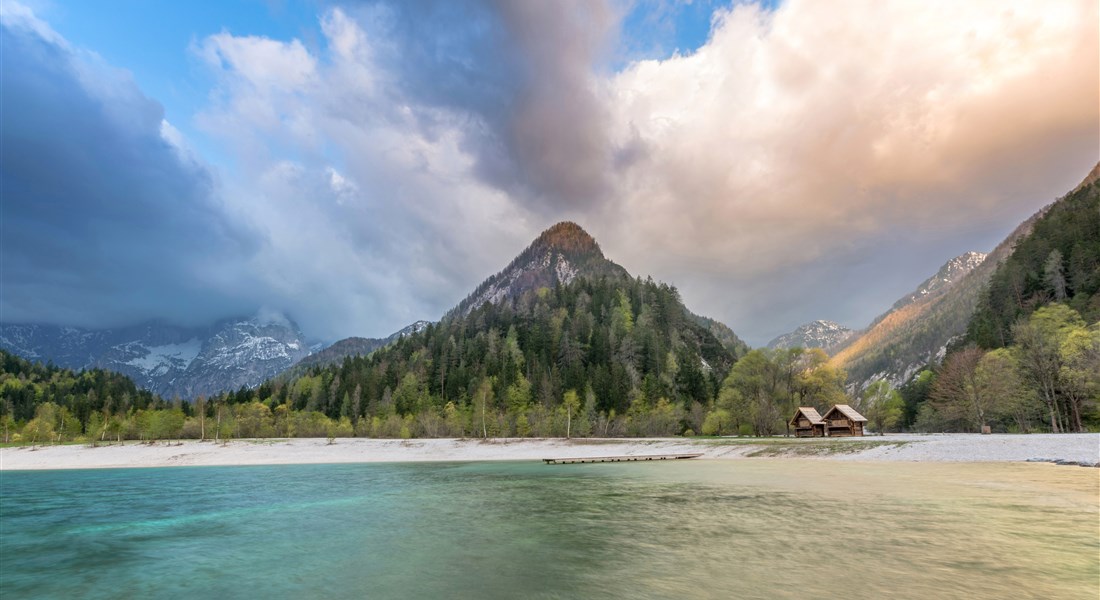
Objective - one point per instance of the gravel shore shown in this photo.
(1066, 448)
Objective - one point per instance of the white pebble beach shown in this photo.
(1072, 448)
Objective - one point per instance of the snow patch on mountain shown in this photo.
(818, 334)
(952, 271)
(170, 360)
(159, 360)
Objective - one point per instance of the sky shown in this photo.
(358, 166)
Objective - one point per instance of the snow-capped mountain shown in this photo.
(954, 270)
(919, 326)
(170, 360)
(818, 334)
(559, 254)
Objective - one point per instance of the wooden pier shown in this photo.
(607, 459)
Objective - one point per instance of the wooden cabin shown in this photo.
(843, 420)
(807, 422)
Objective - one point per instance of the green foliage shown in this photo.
(882, 405)
(914, 394)
(1048, 378)
(1058, 261)
(519, 367)
(26, 387)
(765, 387)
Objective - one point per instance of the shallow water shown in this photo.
(717, 529)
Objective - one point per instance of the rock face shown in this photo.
(826, 335)
(951, 272)
(557, 256)
(919, 326)
(170, 360)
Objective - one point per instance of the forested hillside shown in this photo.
(1058, 262)
(72, 399)
(916, 330)
(561, 342)
(608, 356)
(1030, 359)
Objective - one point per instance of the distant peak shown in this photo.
(963, 263)
(815, 334)
(567, 237)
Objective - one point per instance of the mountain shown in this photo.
(981, 300)
(556, 256)
(357, 346)
(919, 326)
(169, 360)
(826, 335)
(1058, 261)
(951, 272)
(729, 340)
(1091, 178)
(560, 338)
(31, 384)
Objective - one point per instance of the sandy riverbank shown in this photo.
(1081, 448)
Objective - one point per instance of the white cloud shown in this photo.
(814, 161)
(793, 137)
(396, 233)
(861, 142)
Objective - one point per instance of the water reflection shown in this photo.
(722, 529)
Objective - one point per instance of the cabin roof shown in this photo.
(810, 413)
(847, 411)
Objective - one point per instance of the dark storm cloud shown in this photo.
(383, 169)
(105, 221)
(523, 74)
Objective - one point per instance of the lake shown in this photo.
(685, 529)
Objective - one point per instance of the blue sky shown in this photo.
(361, 165)
(153, 39)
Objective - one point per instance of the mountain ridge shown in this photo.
(170, 360)
(555, 257)
(919, 327)
(357, 346)
(826, 335)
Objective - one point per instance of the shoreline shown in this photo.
(1083, 449)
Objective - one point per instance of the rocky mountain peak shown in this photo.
(168, 359)
(557, 256)
(951, 272)
(567, 238)
(817, 334)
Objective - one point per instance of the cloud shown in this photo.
(107, 216)
(361, 184)
(808, 161)
(820, 138)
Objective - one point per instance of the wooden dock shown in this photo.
(606, 459)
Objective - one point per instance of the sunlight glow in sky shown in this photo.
(361, 165)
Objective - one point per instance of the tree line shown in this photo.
(1047, 379)
(597, 357)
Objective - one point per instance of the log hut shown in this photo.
(807, 422)
(843, 420)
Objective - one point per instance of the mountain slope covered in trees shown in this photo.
(1059, 261)
(73, 398)
(560, 334)
(354, 346)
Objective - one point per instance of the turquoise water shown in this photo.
(721, 529)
